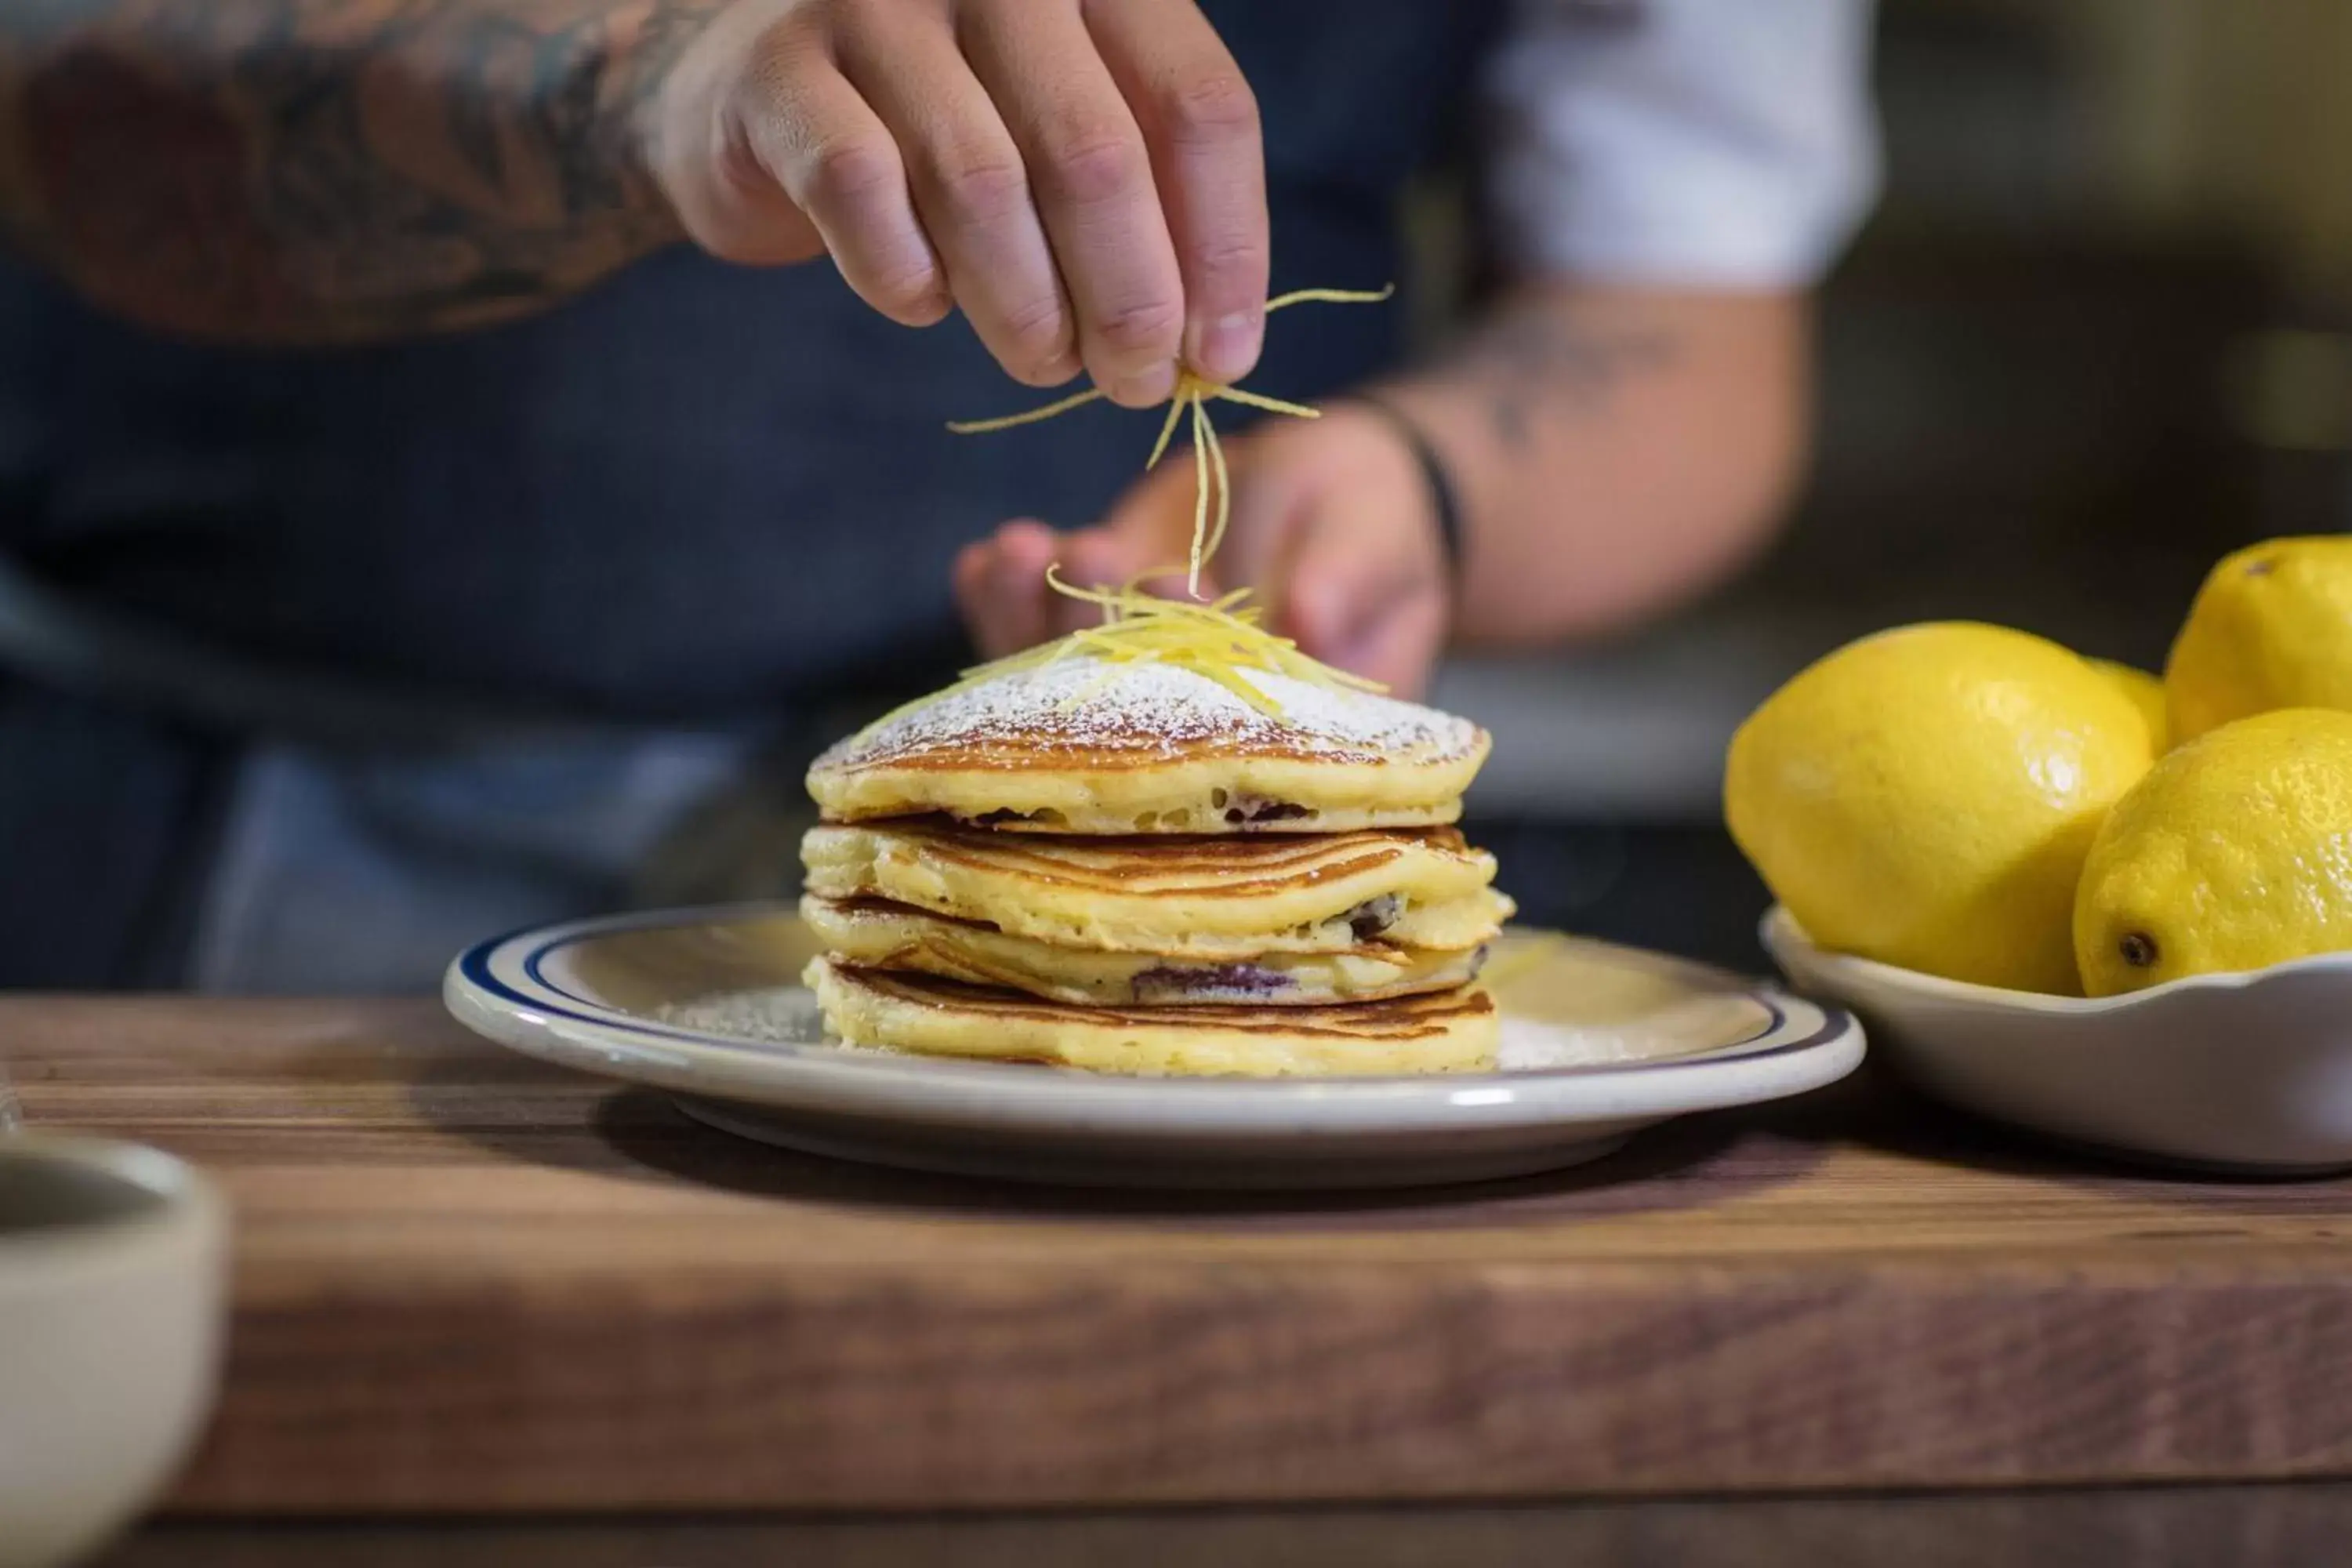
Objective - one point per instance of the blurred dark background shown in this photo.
(2093, 338)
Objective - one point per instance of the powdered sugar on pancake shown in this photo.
(1094, 704)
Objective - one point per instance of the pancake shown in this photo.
(1448, 1031)
(1087, 745)
(875, 934)
(1227, 897)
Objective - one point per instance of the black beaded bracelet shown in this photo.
(1442, 500)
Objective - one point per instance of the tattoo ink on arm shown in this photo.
(1534, 367)
(325, 170)
(1613, 449)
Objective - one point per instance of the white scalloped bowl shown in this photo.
(2249, 1073)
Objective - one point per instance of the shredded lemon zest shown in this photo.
(1260, 400)
(1201, 439)
(982, 427)
(1176, 406)
(1222, 639)
(1195, 393)
(1331, 296)
(1216, 451)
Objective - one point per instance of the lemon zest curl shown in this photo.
(1220, 640)
(1195, 393)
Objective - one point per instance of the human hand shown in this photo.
(1083, 179)
(1332, 523)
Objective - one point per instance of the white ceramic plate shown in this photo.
(706, 1006)
(2248, 1073)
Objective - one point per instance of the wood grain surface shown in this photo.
(467, 1281)
(2302, 1526)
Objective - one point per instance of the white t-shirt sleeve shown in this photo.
(1727, 143)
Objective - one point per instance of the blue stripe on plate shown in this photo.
(475, 966)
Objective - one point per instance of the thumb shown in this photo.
(1362, 612)
(1100, 557)
(999, 587)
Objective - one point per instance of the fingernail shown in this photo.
(1144, 388)
(1229, 348)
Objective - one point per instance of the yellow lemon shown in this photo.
(2234, 852)
(1926, 796)
(2272, 627)
(2146, 693)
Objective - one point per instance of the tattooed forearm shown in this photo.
(309, 170)
(1535, 366)
(1610, 449)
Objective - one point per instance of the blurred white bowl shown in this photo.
(2249, 1073)
(113, 1264)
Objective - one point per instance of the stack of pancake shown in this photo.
(1127, 867)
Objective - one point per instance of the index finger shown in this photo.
(1200, 122)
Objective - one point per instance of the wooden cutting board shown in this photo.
(465, 1281)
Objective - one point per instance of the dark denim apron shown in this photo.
(487, 613)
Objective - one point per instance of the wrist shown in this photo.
(1443, 500)
(664, 93)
